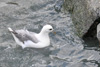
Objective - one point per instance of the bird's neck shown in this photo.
(44, 38)
(44, 35)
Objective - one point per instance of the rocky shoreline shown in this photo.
(84, 14)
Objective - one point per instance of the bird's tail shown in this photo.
(10, 29)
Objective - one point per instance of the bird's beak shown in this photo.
(54, 32)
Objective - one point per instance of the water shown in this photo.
(66, 50)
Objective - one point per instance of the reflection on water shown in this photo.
(66, 48)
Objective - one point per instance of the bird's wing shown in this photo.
(23, 36)
(98, 35)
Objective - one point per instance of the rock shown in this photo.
(84, 14)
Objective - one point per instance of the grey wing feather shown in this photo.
(23, 36)
(98, 35)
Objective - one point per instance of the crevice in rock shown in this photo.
(90, 35)
(92, 30)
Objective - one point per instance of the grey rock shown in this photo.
(84, 13)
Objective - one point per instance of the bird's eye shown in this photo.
(50, 29)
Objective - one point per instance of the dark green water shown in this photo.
(66, 50)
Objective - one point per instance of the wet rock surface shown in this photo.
(84, 13)
(66, 47)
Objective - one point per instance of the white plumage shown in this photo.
(25, 38)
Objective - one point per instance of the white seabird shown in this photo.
(98, 33)
(25, 38)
